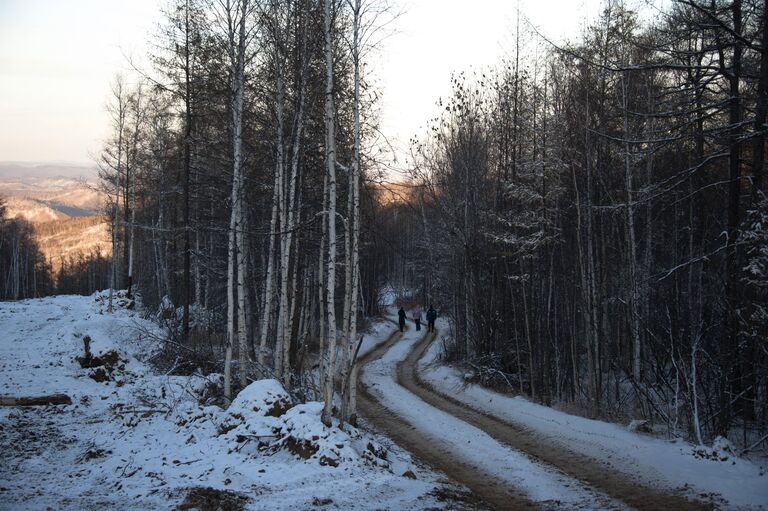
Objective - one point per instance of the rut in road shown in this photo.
(487, 489)
(583, 468)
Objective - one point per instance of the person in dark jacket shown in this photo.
(431, 317)
(401, 318)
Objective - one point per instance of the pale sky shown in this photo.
(57, 59)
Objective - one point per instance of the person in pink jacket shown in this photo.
(416, 315)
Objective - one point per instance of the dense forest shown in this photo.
(234, 175)
(591, 218)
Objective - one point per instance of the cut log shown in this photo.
(53, 399)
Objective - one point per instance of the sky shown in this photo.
(57, 59)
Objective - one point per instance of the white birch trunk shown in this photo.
(242, 280)
(695, 394)
(355, 220)
(118, 91)
(345, 340)
(241, 224)
(230, 309)
(270, 277)
(321, 287)
(282, 309)
(132, 231)
(236, 248)
(330, 155)
(198, 275)
(289, 202)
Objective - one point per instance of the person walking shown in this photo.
(401, 318)
(431, 317)
(416, 315)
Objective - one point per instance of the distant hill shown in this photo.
(62, 202)
(32, 210)
(41, 192)
(56, 186)
(72, 237)
(14, 170)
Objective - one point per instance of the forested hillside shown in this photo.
(60, 213)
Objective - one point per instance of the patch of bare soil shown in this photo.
(454, 496)
(104, 366)
(210, 499)
(585, 469)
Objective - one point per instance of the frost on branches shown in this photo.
(755, 237)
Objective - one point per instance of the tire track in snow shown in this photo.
(502, 477)
(582, 468)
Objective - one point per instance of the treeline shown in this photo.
(82, 273)
(593, 219)
(51, 229)
(235, 177)
(24, 272)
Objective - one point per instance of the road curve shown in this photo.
(587, 470)
(484, 486)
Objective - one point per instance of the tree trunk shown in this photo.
(330, 156)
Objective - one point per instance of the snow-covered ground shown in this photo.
(540, 483)
(657, 462)
(143, 440)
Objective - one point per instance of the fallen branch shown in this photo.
(53, 399)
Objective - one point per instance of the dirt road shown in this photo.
(488, 488)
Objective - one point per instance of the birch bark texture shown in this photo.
(330, 212)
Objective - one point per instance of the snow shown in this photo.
(143, 440)
(387, 296)
(540, 483)
(671, 464)
(376, 333)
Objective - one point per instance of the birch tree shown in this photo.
(330, 210)
(112, 171)
(236, 15)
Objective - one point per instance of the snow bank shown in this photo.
(260, 399)
(263, 413)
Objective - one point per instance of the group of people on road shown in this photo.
(416, 314)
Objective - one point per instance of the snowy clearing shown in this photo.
(732, 481)
(142, 440)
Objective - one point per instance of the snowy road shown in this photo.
(507, 466)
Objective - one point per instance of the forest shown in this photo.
(25, 272)
(591, 218)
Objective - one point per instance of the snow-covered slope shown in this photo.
(143, 440)
(69, 196)
(64, 211)
(32, 210)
